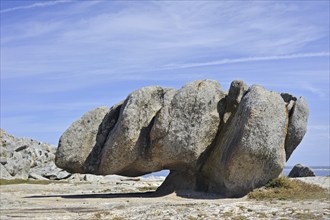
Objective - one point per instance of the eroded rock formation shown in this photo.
(24, 158)
(211, 140)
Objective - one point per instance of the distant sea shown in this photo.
(318, 170)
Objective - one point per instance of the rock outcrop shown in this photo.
(301, 171)
(213, 141)
(23, 158)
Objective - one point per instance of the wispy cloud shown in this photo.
(35, 5)
(247, 59)
(321, 127)
(318, 131)
(59, 61)
(126, 40)
(321, 92)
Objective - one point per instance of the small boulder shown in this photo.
(57, 175)
(37, 177)
(300, 171)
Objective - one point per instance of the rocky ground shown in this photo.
(84, 196)
(115, 197)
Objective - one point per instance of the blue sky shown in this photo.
(60, 59)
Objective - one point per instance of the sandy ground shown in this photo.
(124, 198)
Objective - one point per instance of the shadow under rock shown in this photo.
(198, 195)
(151, 194)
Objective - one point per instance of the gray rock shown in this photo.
(18, 166)
(20, 156)
(37, 176)
(3, 160)
(78, 140)
(50, 171)
(4, 174)
(187, 125)
(128, 140)
(251, 150)
(54, 175)
(211, 141)
(236, 92)
(149, 160)
(301, 171)
(297, 126)
(92, 162)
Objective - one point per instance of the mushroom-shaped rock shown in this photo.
(210, 140)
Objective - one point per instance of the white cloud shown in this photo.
(248, 59)
(53, 60)
(59, 107)
(34, 5)
(319, 127)
(131, 41)
(319, 91)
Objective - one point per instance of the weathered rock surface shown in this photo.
(301, 171)
(79, 140)
(251, 150)
(4, 174)
(297, 125)
(23, 158)
(210, 140)
(128, 141)
(187, 125)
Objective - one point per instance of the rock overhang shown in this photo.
(211, 140)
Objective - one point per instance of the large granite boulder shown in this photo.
(211, 140)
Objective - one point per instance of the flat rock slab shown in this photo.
(322, 181)
(127, 198)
